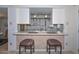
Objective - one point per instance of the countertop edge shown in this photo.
(39, 34)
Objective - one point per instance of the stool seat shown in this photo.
(27, 44)
(53, 44)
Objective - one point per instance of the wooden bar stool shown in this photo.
(27, 44)
(53, 44)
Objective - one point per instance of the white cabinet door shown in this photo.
(58, 16)
(22, 15)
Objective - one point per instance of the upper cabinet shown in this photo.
(22, 15)
(58, 16)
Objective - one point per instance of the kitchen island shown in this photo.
(40, 39)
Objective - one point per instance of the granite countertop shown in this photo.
(38, 34)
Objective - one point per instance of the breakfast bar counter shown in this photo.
(40, 39)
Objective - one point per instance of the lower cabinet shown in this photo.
(40, 40)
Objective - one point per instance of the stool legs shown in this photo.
(25, 48)
(60, 49)
(19, 50)
(33, 48)
(48, 49)
(55, 48)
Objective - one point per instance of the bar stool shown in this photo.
(27, 44)
(53, 44)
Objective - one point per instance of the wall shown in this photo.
(71, 22)
(78, 28)
(12, 28)
(77, 22)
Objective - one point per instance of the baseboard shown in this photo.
(37, 51)
(45, 50)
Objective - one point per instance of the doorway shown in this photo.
(3, 29)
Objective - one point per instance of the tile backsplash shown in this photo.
(34, 28)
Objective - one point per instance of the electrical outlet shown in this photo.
(66, 43)
(10, 43)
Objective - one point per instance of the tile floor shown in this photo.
(4, 47)
(4, 50)
(36, 52)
